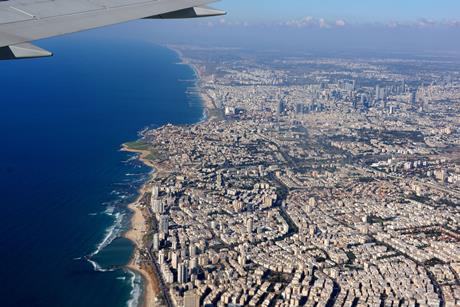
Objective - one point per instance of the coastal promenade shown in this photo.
(136, 234)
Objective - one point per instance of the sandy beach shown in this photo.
(136, 235)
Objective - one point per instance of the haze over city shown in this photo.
(397, 26)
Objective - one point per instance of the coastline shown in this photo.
(139, 228)
(208, 103)
(136, 235)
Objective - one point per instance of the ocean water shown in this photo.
(64, 184)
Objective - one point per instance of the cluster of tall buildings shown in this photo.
(304, 200)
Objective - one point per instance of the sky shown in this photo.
(357, 11)
(414, 26)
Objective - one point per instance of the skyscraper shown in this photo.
(193, 264)
(182, 272)
(380, 93)
(156, 242)
(161, 257)
(155, 192)
(155, 202)
(175, 260)
(249, 225)
(298, 108)
(219, 181)
(164, 224)
(281, 107)
(364, 101)
(158, 206)
(193, 250)
(242, 259)
(413, 97)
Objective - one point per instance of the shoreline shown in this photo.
(136, 232)
(208, 102)
(138, 228)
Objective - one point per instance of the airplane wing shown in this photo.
(22, 21)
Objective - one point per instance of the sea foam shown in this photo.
(111, 233)
(136, 286)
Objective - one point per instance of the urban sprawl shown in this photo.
(313, 182)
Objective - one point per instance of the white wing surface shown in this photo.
(22, 21)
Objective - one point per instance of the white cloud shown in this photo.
(310, 21)
(323, 23)
(423, 23)
(454, 23)
(340, 23)
(299, 23)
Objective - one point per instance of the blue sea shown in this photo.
(64, 184)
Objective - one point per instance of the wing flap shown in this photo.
(23, 51)
(192, 12)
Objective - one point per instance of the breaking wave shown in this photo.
(136, 286)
